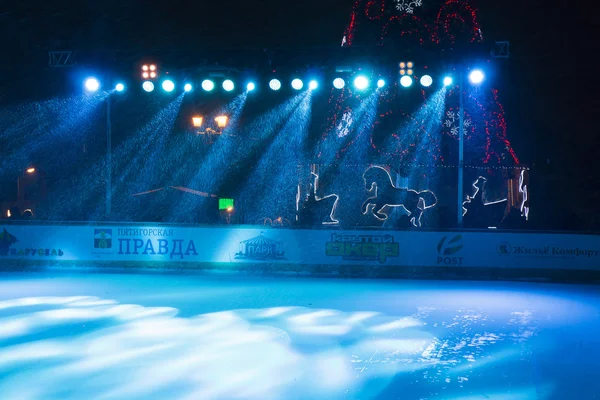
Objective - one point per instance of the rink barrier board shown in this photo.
(297, 251)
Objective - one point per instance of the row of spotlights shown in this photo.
(360, 82)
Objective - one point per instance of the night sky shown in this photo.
(548, 101)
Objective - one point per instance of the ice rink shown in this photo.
(167, 336)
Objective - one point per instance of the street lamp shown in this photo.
(197, 122)
(221, 121)
(30, 170)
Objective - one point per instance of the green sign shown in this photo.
(225, 204)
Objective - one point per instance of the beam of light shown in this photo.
(92, 84)
(426, 80)
(119, 87)
(297, 84)
(208, 85)
(135, 161)
(187, 87)
(339, 83)
(148, 86)
(406, 81)
(275, 84)
(447, 81)
(228, 85)
(168, 85)
(54, 128)
(476, 77)
(361, 82)
(268, 185)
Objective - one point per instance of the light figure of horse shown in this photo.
(378, 182)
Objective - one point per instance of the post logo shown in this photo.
(447, 250)
(103, 238)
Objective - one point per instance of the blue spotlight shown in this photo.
(312, 85)
(426, 80)
(339, 83)
(187, 87)
(168, 85)
(228, 85)
(380, 83)
(250, 86)
(148, 86)
(274, 84)
(297, 84)
(208, 85)
(406, 81)
(92, 84)
(476, 76)
(119, 87)
(361, 82)
(448, 81)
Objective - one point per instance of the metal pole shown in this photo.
(108, 159)
(461, 138)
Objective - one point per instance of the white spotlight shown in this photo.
(187, 87)
(426, 80)
(208, 85)
(168, 85)
(92, 84)
(406, 81)
(148, 86)
(297, 84)
(361, 82)
(119, 87)
(228, 85)
(274, 84)
(476, 76)
(448, 81)
(380, 83)
(312, 85)
(250, 86)
(339, 83)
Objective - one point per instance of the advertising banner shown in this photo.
(147, 243)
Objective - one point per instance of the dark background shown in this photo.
(548, 92)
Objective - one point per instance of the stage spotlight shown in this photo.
(312, 85)
(187, 87)
(145, 75)
(208, 85)
(426, 80)
(297, 84)
(380, 83)
(145, 68)
(406, 81)
(92, 84)
(476, 76)
(339, 83)
(448, 81)
(228, 85)
(119, 87)
(274, 84)
(152, 67)
(250, 86)
(168, 85)
(361, 83)
(148, 86)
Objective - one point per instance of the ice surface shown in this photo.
(153, 336)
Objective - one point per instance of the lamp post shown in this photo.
(108, 159)
(461, 150)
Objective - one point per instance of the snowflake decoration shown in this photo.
(452, 123)
(343, 128)
(408, 6)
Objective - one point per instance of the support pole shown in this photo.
(461, 145)
(108, 159)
